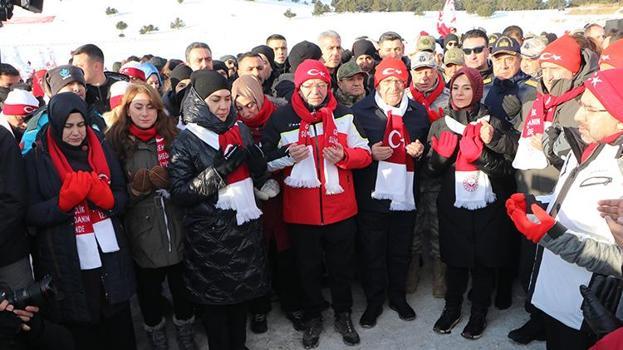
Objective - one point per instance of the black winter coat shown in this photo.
(482, 236)
(55, 251)
(13, 200)
(373, 121)
(506, 97)
(224, 263)
(98, 97)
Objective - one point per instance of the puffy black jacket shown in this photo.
(55, 251)
(373, 121)
(224, 263)
(13, 201)
(482, 235)
(98, 97)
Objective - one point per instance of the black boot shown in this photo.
(531, 330)
(405, 312)
(368, 319)
(259, 324)
(311, 337)
(296, 317)
(476, 325)
(344, 326)
(449, 318)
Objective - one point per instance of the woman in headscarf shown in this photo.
(142, 137)
(77, 192)
(254, 109)
(468, 152)
(214, 165)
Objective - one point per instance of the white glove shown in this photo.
(271, 188)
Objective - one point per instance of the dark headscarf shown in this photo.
(475, 81)
(59, 109)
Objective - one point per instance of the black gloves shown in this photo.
(256, 160)
(10, 324)
(600, 320)
(225, 164)
(512, 106)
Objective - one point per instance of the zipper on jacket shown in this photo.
(166, 221)
(318, 172)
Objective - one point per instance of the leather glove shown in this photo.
(511, 105)
(230, 161)
(471, 145)
(600, 320)
(100, 193)
(140, 181)
(159, 177)
(533, 231)
(256, 160)
(446, 145)
(75, 189)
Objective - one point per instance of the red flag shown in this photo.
(446, 18)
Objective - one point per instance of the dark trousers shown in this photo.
(560, 337)
(226, 326)
(284, 281)
(336, 241)
(483, 280)
(112, 332)
(385, 248)
(149, 292)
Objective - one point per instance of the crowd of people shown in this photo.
(274, 173)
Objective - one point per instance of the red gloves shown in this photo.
(75, 188)
(471, 145)
(516, 209)
(446, 144)
(100, 193)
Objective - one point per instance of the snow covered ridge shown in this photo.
(228, 26)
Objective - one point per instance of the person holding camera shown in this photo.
(77, 191)
(214, 167)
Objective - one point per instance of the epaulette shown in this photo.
(487, 81)
(532, 82)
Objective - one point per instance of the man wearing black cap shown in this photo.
(366, 56)
(510, 88)
(284, 85)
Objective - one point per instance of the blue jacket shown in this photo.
(519, 86)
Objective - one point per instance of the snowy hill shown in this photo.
(228, 26)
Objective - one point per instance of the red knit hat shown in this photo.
(613, 55)
(391, 67)
(311, 69)
(606, 86)
(133, 70)
(20, 102)
(564, 52)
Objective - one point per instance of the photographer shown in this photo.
(26, 329)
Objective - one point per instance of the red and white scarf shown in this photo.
(394, 175)
(427, 101)
(238, 194)
(148, 134)
(540, 118)
(91, 226)
(472, 187)
(304, 173)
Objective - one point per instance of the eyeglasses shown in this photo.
(318, 86)
(452, 44)
(476, 50)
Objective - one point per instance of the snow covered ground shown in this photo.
(228, 26)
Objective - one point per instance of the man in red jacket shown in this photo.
(317, 144)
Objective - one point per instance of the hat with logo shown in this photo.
(493, 37)
(390, 67)
(454, 55)
(506, 45)
(423, 59)
(613, 55)
(606, 86)
(349, 69)
(311, 69)
(57, 78)
(133, 70)
(533, 47)
(564, 52)
(425, 43)
(20, 102)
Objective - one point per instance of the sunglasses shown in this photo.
(476, 50)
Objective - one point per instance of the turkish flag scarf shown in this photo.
(394, 175)
(91, 226)
(304, 173)
(238, 194)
